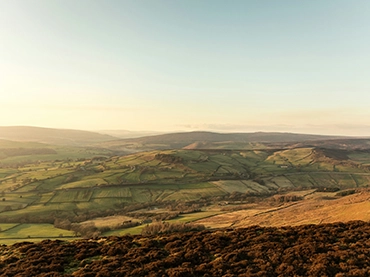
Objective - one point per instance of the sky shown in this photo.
(171, 65)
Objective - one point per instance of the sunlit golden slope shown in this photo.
(316, 208)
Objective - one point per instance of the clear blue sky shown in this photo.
(262, 65)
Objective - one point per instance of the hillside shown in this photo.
(188, 140)
(17, 153)
(209, 140)
(295, 208)
(84, 189)
(52, 136)
(61, 189)
(341, 143)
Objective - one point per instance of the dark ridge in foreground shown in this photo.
(338, 249)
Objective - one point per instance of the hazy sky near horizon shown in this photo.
(170, 65)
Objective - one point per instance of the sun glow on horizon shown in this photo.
(169, 66)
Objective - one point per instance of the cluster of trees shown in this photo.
(167, 158)
(186, 207)
(166, 228)
(155, 216)
(86, 230)
(345, 192)
(89, 230)
(245, 197)
(287, 198)
(327, 189)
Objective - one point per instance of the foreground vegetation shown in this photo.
(333, 250)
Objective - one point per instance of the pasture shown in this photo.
(12, 233)
(80, 188)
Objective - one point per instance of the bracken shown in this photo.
(337, 249)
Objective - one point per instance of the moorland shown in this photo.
(337, 249)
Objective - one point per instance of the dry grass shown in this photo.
(110, 221)
(316, 208)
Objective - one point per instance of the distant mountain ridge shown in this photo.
(245, 137)
(125, 134)
(52, 136)
(187, 140)
(207, 140)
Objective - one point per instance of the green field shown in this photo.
(34, 230)
(91, 183)
(185, 218)
(173, 175)
(12, 233)
(12, 153)
(132, 231)
(191, 217)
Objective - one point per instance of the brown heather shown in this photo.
(336, 249)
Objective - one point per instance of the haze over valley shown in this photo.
(169, 67)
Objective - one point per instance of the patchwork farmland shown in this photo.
(147, 183)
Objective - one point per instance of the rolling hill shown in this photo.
(84, 188)
(125, 134)
(210, 140)
(16, 153)
(52, 136)
(187, 140)
(201, 175)
(341, 143)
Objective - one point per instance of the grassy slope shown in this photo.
(314, 209)
(59, 188)
(13, 153)
(201, 173)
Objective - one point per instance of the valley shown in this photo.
(70, 191)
